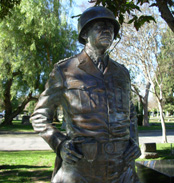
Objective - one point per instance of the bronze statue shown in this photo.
(94, 91)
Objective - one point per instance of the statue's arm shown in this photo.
(133, 151)
(133, 123)
(44, 110)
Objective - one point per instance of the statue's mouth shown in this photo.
(106, 36)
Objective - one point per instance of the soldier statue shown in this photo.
(100, 143)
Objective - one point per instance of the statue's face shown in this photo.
(101, 34)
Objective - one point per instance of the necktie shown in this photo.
(100, 64)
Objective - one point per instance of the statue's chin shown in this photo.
(105, 42)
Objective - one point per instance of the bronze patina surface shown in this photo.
(100, 144)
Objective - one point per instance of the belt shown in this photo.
(90, 148)
(113, 147)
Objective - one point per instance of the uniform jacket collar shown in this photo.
(87, 65)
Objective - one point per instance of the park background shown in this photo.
(36, 34)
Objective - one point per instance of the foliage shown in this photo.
(6, 6)
(136, 50)
(139, 51)
(166, 59)
(32, 39)
(123, 7)
(30, 106)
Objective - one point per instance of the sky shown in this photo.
(78, 7)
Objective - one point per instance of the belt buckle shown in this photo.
(109, 147)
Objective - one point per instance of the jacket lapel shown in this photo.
(109, 69)
(87, 65)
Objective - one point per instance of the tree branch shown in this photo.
(166, 14)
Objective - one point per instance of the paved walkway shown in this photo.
(15, 142)
(11, 142)
(155, 136)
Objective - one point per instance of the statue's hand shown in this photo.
(133, 152)
(39, 122)
(68, 152)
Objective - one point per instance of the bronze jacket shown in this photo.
(95, 104)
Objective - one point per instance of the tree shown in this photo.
(32, 39)
(131, 51)
(139, 51)
(166, 61)
(143, 101)
(122, 7)
(6, 6)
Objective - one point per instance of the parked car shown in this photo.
(2, 114)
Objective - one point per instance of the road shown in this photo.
(16, 142)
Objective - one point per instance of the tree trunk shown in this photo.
(145, 116)
(164, 136)
(8, 120)
(10, 114)
(145, 105)
(166, 14)
(7, 103)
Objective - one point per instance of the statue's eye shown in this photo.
(110, 27)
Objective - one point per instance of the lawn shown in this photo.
(164, 150)
(37, 166)
(26, 166)
(19, 127)
(155, 124)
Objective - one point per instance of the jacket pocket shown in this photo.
(80, 96)
(122, 94)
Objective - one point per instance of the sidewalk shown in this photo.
(32, 141)
(155, 136)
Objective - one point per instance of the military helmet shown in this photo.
(95, 13)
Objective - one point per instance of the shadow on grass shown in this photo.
(20, 166)
(25, 174)
(17, 127)
(166, 153)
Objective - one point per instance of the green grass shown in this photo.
(164, 151)
(19, 127)
(155, 124)
(141, 128)
(26, 166)
(37, 166)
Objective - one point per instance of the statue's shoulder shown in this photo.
(66, 61)
(121, 67)
(66, 64)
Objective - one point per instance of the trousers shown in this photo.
(101, 163)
